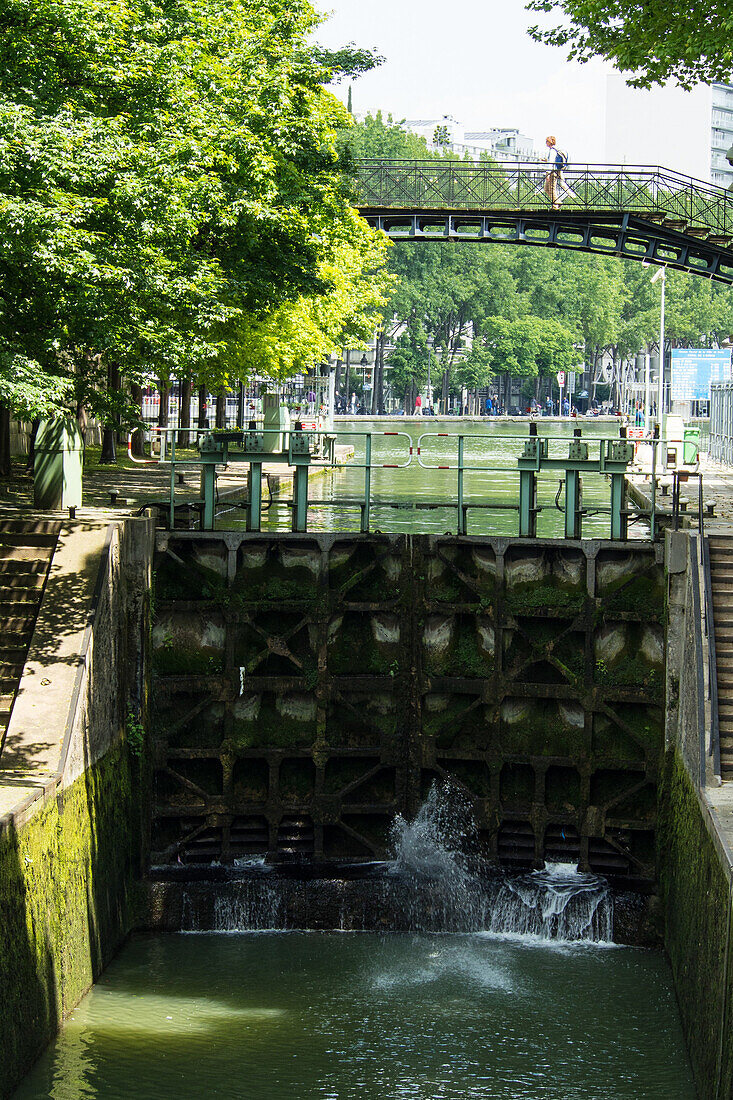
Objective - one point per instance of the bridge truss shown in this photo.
(648, 214)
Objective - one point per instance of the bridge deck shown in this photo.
(642, 213)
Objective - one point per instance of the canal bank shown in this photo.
(73, 785)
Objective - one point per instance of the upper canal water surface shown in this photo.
(399, 478)
(295, 1016)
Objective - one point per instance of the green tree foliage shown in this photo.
(654, 42)
(171, 195)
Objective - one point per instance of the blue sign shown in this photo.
(694, 369)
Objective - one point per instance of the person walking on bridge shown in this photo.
(553, 180)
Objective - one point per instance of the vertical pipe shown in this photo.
(647, 391)
(655, 444)
(660, 396)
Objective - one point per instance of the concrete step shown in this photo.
(41, 540)
(17, 627)
(26, 553)
(28, 582)
(30, 526)
(19, 594)
(12, 567)
(14, 609)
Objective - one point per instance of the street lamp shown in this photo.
(661, 276)
(430, 359)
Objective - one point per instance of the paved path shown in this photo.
(135, 486)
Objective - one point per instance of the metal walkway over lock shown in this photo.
(562, 458)
(640, 213)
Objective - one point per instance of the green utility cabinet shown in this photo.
(57, 465)
(277, 422)
(691, 446)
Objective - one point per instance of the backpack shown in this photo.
(561, 160)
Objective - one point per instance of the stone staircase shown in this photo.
(26, 550)
(721, 575)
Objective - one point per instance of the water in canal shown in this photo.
(399, 477)
(295, 1016)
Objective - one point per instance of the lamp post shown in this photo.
(661, 276)
(430, 359)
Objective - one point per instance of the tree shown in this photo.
(654, 42)
(170, 190)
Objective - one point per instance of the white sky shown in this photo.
(474, 60)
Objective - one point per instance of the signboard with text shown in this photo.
(561, 378)
(695, 369)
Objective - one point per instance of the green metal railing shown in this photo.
(601, 189)
(530, 457)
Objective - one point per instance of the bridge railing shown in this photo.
(647, 191)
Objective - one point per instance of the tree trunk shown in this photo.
(184, 413)
(30, 464)
(108, 456)
(137, 441)
(221, 410)
(4, 441)
(202, 418)
(347, 382)
(163, 409)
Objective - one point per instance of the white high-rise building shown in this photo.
(688, 132)
(721, 134)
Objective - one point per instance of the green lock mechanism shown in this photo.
(613, 459)
(252, 446)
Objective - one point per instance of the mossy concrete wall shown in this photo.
(73, 786)
(66, 876)
(695, 834)
(695, 885)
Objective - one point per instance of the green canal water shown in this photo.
(295, 1016)
(489, 443)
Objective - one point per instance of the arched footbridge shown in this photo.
(641, 213)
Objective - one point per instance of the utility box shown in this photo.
(691, 446)
(57, 464)
(277, 421)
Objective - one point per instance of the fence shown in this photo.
(720, 445)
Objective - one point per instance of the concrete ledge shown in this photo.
(40, 755)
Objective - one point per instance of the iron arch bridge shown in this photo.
(641, 213)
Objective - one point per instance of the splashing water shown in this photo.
(557, 903)
(448, 892)
(442, 893)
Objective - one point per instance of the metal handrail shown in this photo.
(611, 189)
(714, 749)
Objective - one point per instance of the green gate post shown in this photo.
(573, 514)
(208, 489)
(461, 513)
(619, 519)
(527, 504)
(533, 450)
(254, 512)
(300, 497)
(367, 485)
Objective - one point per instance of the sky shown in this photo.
(473, 59)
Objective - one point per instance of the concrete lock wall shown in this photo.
(694, 853)
(308, 688)
(73, 807)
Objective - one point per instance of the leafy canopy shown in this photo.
(655, 41)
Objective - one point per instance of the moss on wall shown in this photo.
(697, 902)
(66, 880)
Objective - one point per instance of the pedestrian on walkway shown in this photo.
(553, 180)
